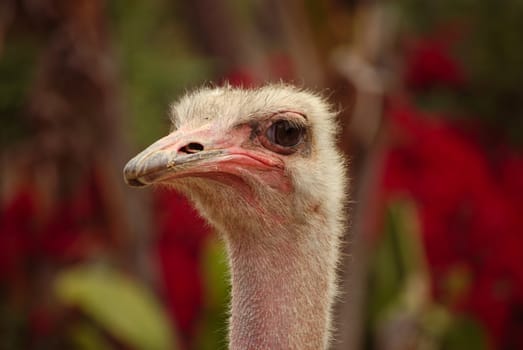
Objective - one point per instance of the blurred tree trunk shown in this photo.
(221, 31)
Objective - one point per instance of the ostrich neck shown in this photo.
(282, 289)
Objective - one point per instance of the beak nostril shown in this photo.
(192, 147)
(135, 183)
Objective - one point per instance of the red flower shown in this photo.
(429, 64)
(278, 66)
(181, 234)
(470, 212)
(241, 77)
(17, 232)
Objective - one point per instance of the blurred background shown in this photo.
(431, 101)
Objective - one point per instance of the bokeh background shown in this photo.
(430, 94)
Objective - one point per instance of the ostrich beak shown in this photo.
(170, 155)
(201, 152)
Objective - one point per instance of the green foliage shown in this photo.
(123, 307)
(13, 323)
(464, 333)
(399, 292)
(422, 16)
(494, 56)
(157, 63)
(398, 258)
(17, 64)
(490, 51)
(215, 274)
(86, 337)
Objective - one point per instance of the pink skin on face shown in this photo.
(237, 157)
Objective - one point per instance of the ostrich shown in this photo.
(261, 165)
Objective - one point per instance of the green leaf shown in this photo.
(398, 269)
(124, 307)
(464, 333)
(215, 273)
(86, 337)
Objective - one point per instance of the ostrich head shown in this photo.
(261, 165)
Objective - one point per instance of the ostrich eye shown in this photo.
(285, 133)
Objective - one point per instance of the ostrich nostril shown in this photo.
(192, 147)
(135, 183)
